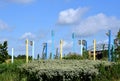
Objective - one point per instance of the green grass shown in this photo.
(10, 72)
(9, 76)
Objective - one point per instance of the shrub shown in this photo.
(111, 73)
(62, 70)
(73, 56)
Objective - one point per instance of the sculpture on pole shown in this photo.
(73, 39)
(52, 35)
(32, 44)
(44, 52)
(12, 55)
(82, 43)
(26, 50)
(94, 52)
(61, 48)
(109, 45)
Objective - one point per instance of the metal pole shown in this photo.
(109, 46)
(94, 41)
(27, 51)
(61, 43)
(12, 55)
(81, 48)
(86, 45)
(52, 34)
(114, 55)
(46, 52)
(73, 38)
(33, 50)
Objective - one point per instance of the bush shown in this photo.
(111, 73)
(73, 56)
(77, 56)
(62, 70)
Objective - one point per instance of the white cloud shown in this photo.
(49, 41)
(71, 16)
(2, 40)
(86, 26)
(21, 1)
(103, 41)
(97, 23)
(67, 44)
(28, 35)
(3, 25)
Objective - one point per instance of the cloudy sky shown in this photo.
(34, 19)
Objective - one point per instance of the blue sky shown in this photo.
(34, 19)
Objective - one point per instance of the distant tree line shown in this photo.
(20, 56)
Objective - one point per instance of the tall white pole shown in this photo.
(12, 54)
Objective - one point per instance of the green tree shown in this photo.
(118, 34)
(23, 56)
(3, 52)
(73, 56)
(85, 55)
(117, 50)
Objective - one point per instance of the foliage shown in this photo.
(62, 70)
(110, 73)
(105, 53)
(23, 57)
(77, 56)
(117, 50)
(118, 34)
(73, 56)
(117, 53)
(9, 76)
(10, 72)
(85, 55)
(3, 52)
